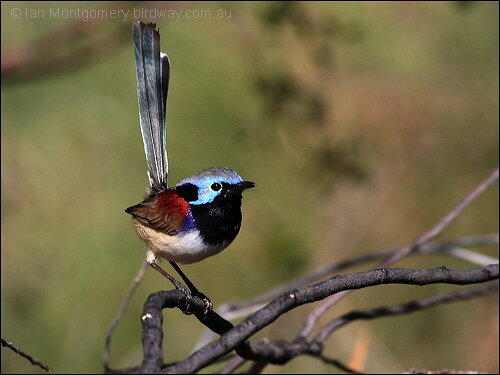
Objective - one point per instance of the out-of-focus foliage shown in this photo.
(362, 123)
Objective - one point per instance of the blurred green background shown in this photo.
(362, 124)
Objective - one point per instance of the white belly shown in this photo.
(184, 248)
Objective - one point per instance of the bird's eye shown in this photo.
(216, 186)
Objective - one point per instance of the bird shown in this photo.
(201, 215)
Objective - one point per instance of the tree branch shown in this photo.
(282, 352)
(413, 246)
(152, 318)
(272, 311)
(442, 224)
(34, 361)
(453, 248)
(404, 308)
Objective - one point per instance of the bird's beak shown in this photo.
(246, 185)
(238, 188)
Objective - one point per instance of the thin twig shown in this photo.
(34, 361)
(405, 308)
(121, 311)
(442, 224)
(421, 240)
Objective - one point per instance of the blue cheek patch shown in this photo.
(206, 195)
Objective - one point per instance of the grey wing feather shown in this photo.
(153, 71)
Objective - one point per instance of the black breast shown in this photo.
(219, 221)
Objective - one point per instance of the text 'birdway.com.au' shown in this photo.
(123, 15)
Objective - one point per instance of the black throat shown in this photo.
(219, 221)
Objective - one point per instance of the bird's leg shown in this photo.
(194, 290)
(151, 261)
(175, 282)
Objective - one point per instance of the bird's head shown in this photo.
(212, 184)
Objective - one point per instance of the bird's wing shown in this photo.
(165, 212)
(153, 72)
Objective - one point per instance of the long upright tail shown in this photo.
(153, 71)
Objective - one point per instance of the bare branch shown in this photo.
(442, 224)
(34, 361)
(453, 248)
(282, 352)
(421, 240)
(404, 308)
(152, 318)
(272, 311)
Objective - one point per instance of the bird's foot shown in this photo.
(192, 294)
(189, 297)
(208, 304)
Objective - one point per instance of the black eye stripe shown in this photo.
(216, 186)
(188, 191)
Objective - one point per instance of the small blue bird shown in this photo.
(201, 216)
